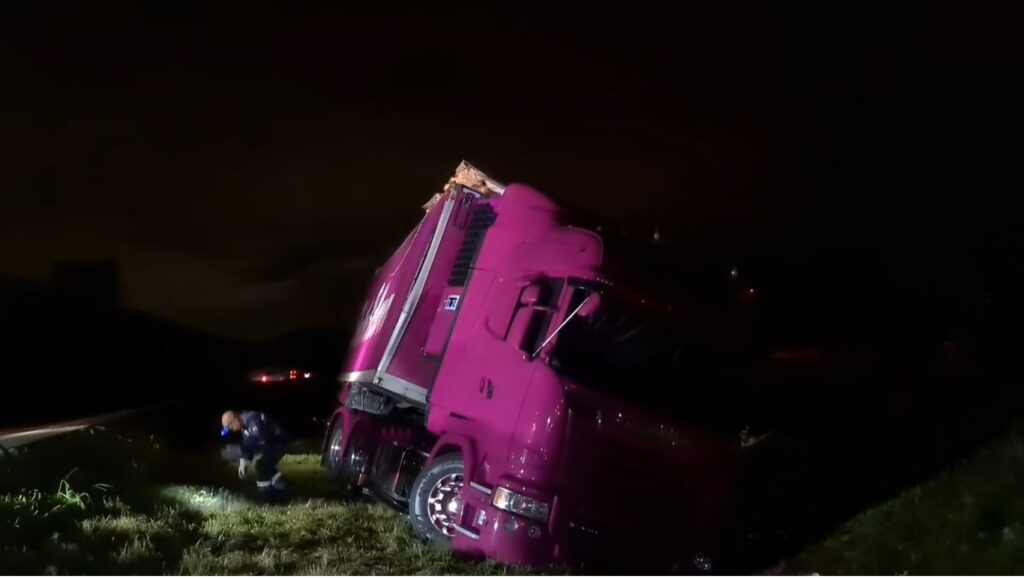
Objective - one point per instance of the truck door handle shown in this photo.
(487, 388)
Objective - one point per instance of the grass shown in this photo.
(969, 520)
(102, 503)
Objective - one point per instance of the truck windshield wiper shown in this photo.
(560, 326)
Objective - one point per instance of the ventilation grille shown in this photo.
(480, 219)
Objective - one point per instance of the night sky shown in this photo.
(250, 164)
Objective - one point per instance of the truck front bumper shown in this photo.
(487, 531)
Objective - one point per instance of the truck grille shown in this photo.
(623, 484)
(612, 474)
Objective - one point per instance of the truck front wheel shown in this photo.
(437, 500)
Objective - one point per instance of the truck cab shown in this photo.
(496, 391)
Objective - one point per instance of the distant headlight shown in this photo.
(514, 502)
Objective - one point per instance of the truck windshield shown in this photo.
(624, 349)
(689, 361)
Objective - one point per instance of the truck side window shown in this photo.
(532, 320)
(533, 336)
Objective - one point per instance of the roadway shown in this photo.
(23, 435)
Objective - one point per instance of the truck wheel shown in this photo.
(342, 469)
(437, 500)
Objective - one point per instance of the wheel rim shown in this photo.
(445, 502)
(336, 443)
(352, 463)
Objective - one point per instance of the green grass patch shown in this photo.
(100, 502)
(103, 503)
(969, 520)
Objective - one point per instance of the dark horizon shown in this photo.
(249, 166)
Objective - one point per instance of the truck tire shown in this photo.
(436, 500)
(338, 467)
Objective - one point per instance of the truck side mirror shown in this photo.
(528, 325)
(530, 295)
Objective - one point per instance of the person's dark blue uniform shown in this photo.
(264, 440)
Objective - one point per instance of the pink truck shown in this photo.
(478, 396)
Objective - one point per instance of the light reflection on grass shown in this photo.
(205, 499)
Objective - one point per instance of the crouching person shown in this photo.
(263, 440)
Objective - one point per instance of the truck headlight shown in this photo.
(514, 502)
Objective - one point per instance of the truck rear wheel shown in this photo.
(436, 500)
(342, 469)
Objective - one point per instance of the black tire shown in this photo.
(338, 467)
(445, 466)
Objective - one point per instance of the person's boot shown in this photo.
(267, 491)
(274, 490)
(278, 482)
(280, 487)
